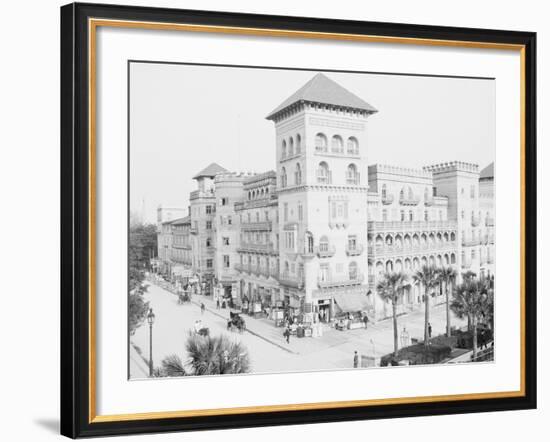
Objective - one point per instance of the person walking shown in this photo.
(217, 302)
(203, 307)
(429, 330)
(286, 334)
(355, 360)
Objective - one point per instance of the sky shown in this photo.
(183, 117)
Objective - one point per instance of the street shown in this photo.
(266, 345)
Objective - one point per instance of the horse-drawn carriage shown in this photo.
(236, 322)
(184, 297)
(200, 329)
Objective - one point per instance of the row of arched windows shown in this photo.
(324, 175)
(289, 148)
(336, 144)
(258, 193)
(405, 193)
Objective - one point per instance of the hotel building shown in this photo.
(318, 232)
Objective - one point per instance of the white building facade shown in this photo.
(318, 233)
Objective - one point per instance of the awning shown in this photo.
(352, 301)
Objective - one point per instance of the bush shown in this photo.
(418, 355)
(465, 339)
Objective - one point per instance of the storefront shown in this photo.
(352, 310)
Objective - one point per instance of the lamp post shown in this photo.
(150, 320)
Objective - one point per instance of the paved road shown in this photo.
(267, 348)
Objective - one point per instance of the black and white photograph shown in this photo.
(287, 220)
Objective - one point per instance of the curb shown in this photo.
(250, 331)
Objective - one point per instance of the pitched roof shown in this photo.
(210, 171)
(179, 221)
(488, 172)
(321, 89)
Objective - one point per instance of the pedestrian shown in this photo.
(203, 307)
(355, 360)
(217, 303)
(429, 330)
(286, 334)
(365, 320)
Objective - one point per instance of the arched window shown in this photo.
(298, 143)
(283, 149)
(298, 175)
(353, 270)
(402, 194)
(291, 147)
(352, 146)
(323, 244)
(283, 177)
(309, 242)
(411, 215)
(323, 173)
(384, 191)
(337, 145)
(320, 142)
(352, 176)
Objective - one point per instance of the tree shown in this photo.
(172, 366)
(141, 247)
(216, 355)
(428, 278)
(472, 299)
(137, 309)
(389, 289)
(448, 276)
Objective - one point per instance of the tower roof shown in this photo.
(488, 172)
(210, 171)
(321, 89)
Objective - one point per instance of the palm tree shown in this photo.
(172, 366)
(216, 355)
(448, 276)
(472, 299)
(428, 278)
(389, 289)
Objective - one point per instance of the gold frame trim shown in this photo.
(93, 24)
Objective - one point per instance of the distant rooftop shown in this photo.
(321, 89)
(179, 221)
(488, 172)
(210, 171)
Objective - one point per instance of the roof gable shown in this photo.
(321, 89)
(210, 171)
(487, 172)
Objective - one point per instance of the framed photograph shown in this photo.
(274, 220)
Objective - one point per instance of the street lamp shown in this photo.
(150, 320)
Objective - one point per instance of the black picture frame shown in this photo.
(75, 220)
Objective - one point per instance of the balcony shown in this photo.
(194, 230)
(475, 222)
(355, 250)
(429, 202)
(387, 199)
(256, 248)
(353, 179)
(325, 251)
(288, 280)
(490, 222)
(257, 226)
(409, 201)
(324, 178)
(470, 242)
(410, 225)
(335, 282)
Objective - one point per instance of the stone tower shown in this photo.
(322, 182)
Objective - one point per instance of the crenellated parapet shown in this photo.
(452, 166)
(379, 169)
